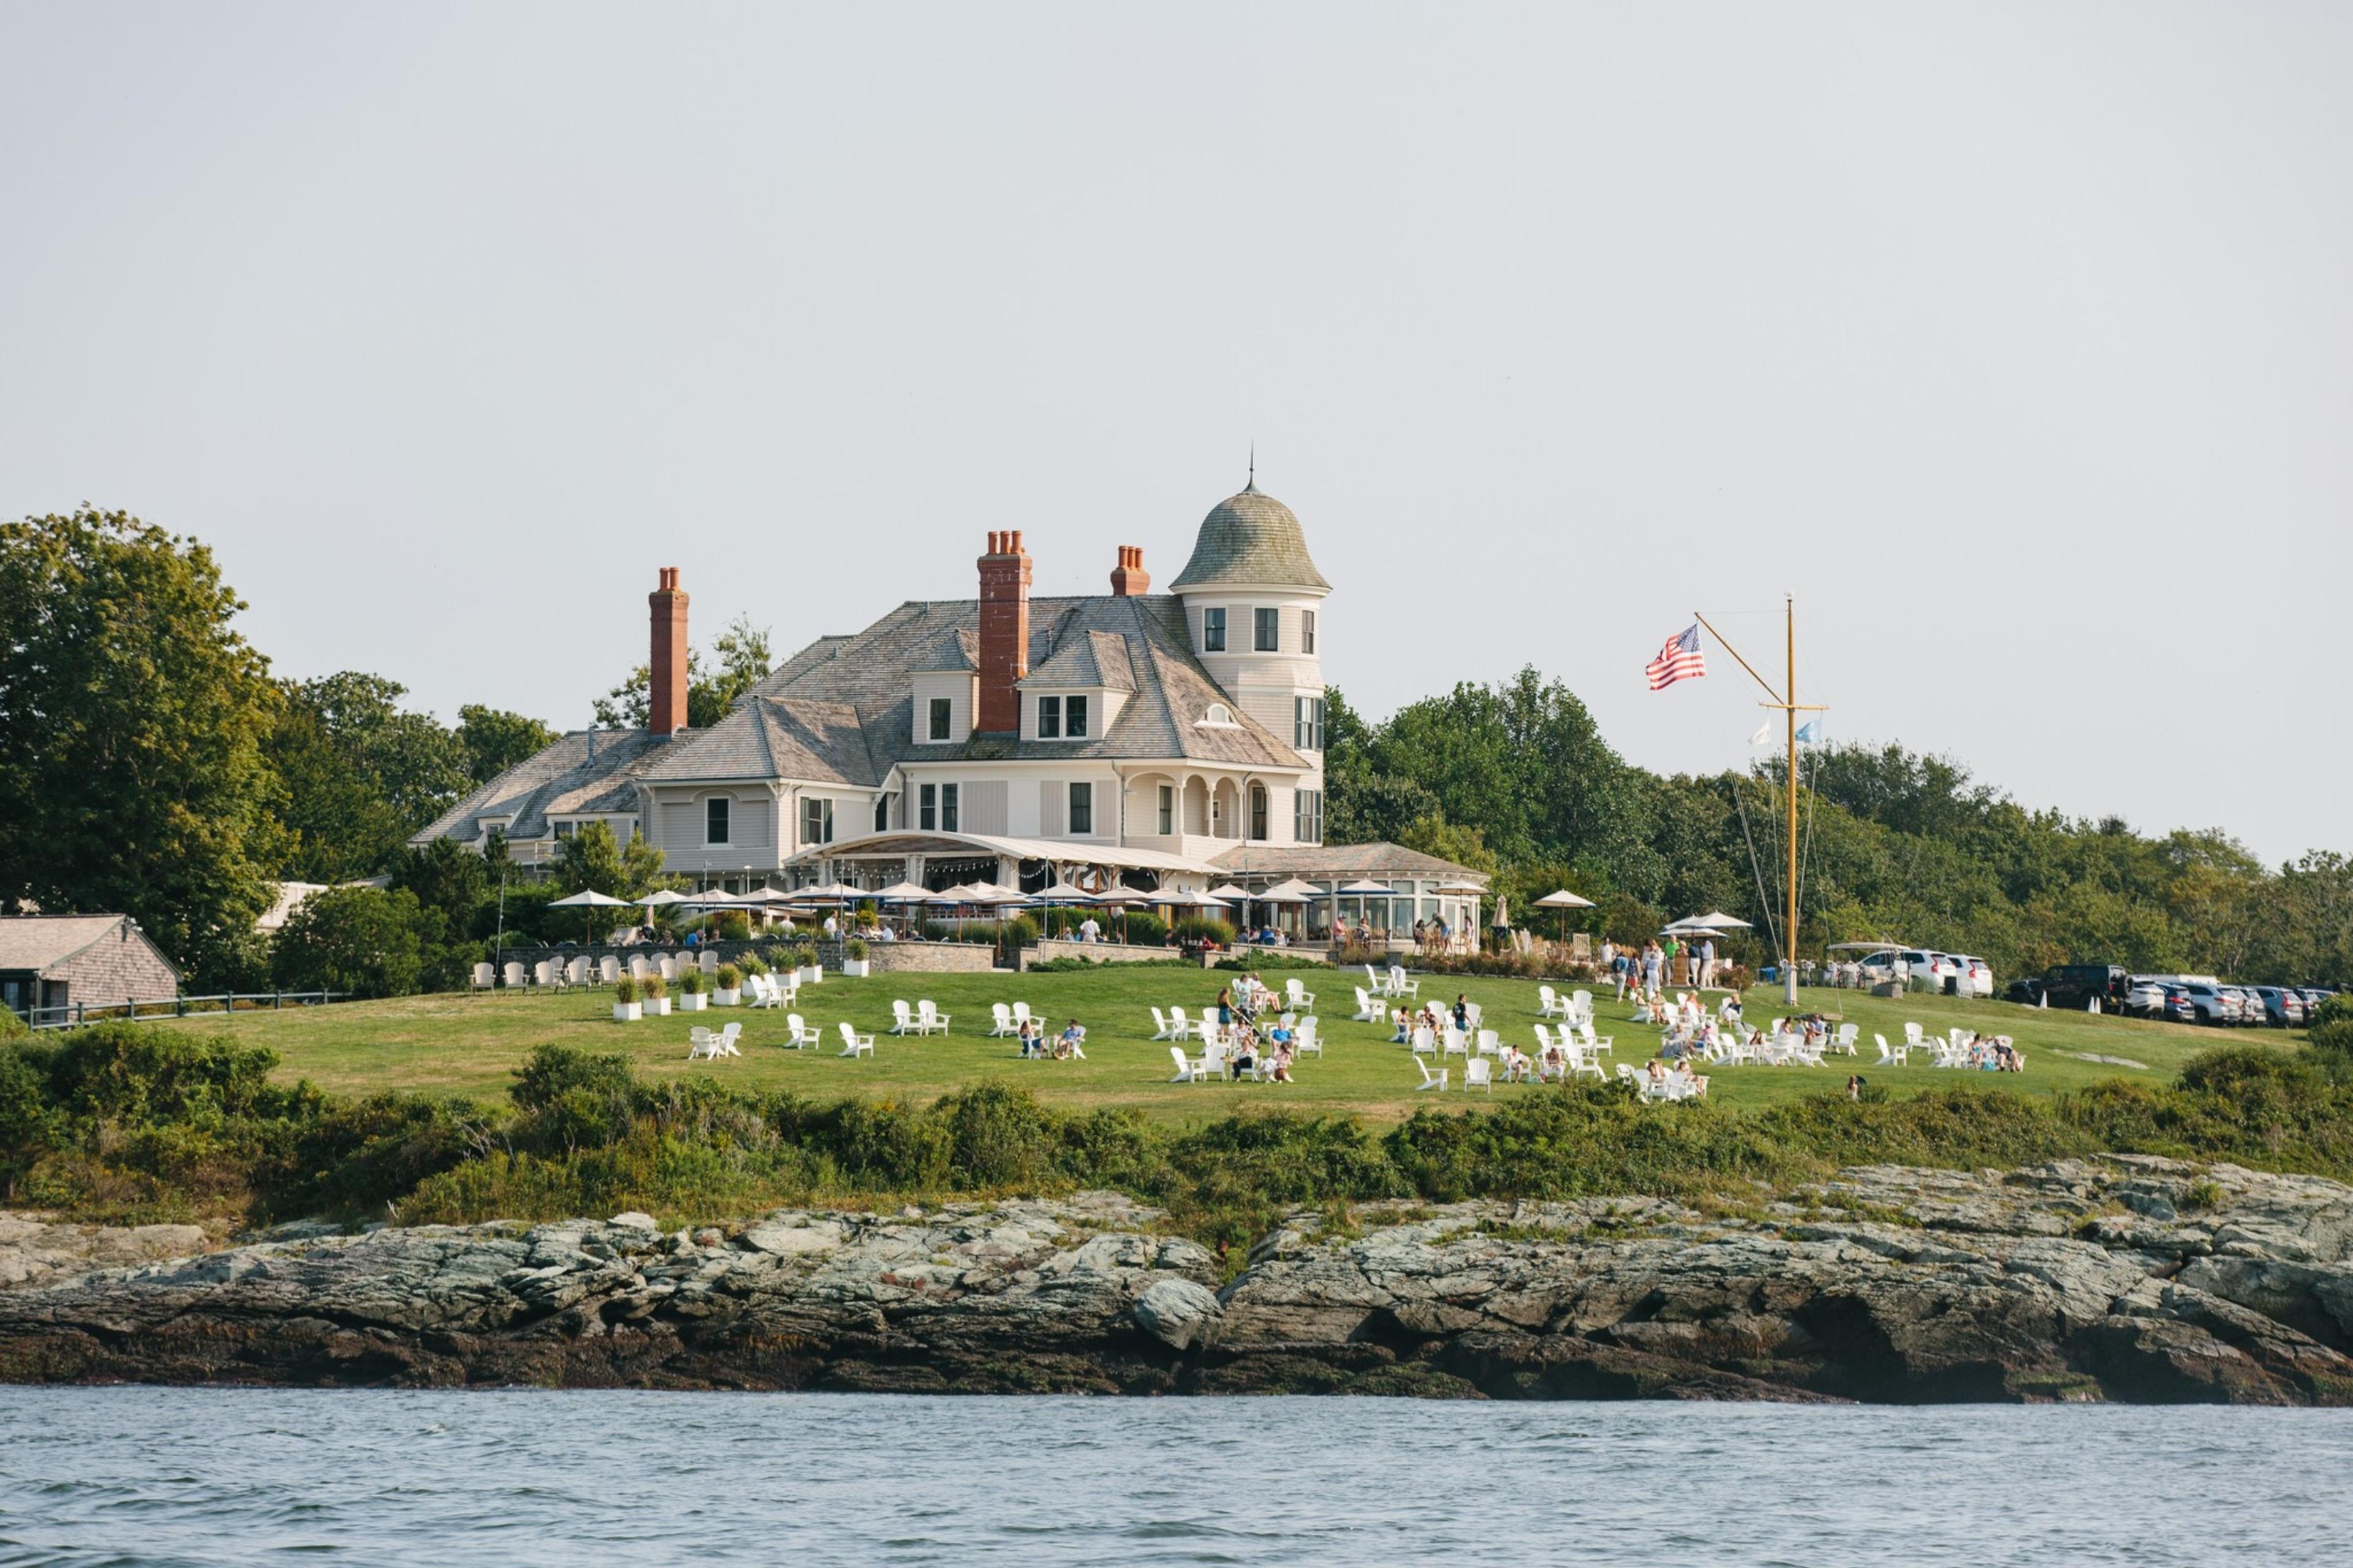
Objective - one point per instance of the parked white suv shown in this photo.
(1976, 976)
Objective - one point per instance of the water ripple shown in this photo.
(207, 1477)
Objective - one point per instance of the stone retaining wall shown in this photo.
(915, 957)
(1046, 952)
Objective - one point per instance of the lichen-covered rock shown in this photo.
(2130, 1278)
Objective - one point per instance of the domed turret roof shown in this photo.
(1250, 538)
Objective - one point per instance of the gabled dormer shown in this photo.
(945, 685)
(1077, 693)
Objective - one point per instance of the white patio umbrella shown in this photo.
(588, 900)
(660, 897)
(1293, 892)
(1716, 920)
(903, 893)
(1232, 894)
(1564, 900)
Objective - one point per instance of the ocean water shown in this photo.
(125, 1476)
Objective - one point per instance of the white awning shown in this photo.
(902, 841)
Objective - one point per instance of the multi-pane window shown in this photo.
(1168, 809)
(1082, 809)
(1307, 723)
(817, 819)
(1266, 630)
(881, 814)
(1307, 631)
(927, 808)
(715, 819)
(1074, 718)
(1049, 717)
(1213, 631)
(1258, 811)
(940, 709)
(947, 808)
(1307, 816)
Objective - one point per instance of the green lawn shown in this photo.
(470, 1044)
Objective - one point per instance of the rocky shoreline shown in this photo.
(2126, 1278)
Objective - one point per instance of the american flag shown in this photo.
(1680, 657)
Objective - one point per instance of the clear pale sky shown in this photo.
(2017, 341)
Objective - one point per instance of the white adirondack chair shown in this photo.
(1377, 980)
(854, 1043)
(1593, 1045)
(1300, 997)
(1001, 1022)
(1474, 1014)
(1580, 1007)
(800, 1036)
(1160, 1029)
(1188, 1071)
(608, 970)
(1455, 1044)
(728, 1037)
(1898, 1056)
(543, 972)
(1213, 1057)
(1430, 1080)
(1549, 1005)
(515, 977)
(902, 1018)
(1368, 1008)
(710, 961)
(577, 972)
(701, 1042)
(638, 966)
(1847, 1035)
(1479, 1073)
(1425, 1044)
(485, 976)
(1402, 983)
(929, 1019)
(1306, 1041)
(1020, 1012)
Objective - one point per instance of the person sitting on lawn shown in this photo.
(1071, 1042)
(1402, 1021)
(1280, 1053)
(1032, 1039)
(1244, 1053)
(1517, 1068)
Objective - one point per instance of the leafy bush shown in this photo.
(733, 925)
(624, 990)
(1193, 930)
(804, 955)
(654, 986)
(751, 964)
(692, 981)
(854, 949)
(779, 957)
(731, 978)
(1141, 926)
(368, 942)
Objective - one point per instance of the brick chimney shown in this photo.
(1003, 632)
(1129, 578)
(666, 670)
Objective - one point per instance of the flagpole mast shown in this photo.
(1789, 943)
(1786, 700)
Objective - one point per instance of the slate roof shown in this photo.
(38, 941)
(821, 742)
(956, 651)
(870, 672)
(1250, 538)
(586, 771)
(1092, 659)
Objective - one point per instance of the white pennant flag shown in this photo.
(1764, 731)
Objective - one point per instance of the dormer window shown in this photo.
(1074, 718)
(1049, 717)
(1218, 717)
(942, 712)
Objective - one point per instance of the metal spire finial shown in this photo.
(1251, 487)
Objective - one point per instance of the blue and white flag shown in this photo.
(1810, 733)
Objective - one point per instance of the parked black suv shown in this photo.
(2074, 986)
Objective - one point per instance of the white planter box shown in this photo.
(811, 975)
(856, 968)
(658, 1006)
(627, 1012)
(726, 998)
(692, 1001)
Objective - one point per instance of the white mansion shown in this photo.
(1155, 740)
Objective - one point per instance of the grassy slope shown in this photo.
(468, 1044)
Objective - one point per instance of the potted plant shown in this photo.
(691, 984)
(853, 957)
(730, 985)
(657, 995)
(805, 964)
(626, 1008)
